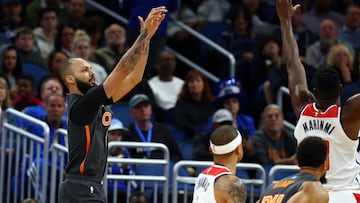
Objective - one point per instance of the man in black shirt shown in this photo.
(89, 119)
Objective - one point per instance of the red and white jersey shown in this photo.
(204, 186)
(343, 166)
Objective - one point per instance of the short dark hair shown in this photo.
(327, 83)
(139, 194)
(312, 152)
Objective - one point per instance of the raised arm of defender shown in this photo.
(299, 93)
(129, 70)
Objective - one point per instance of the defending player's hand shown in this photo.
(285, 9)
(153, 20)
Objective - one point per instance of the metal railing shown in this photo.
(24, 159)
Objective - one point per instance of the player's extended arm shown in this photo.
(230, 189)
(310, 192)
(129, 70)
(297, 84)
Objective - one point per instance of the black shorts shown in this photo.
(81, 189)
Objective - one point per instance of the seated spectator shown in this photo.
(4, 96)
(64, 39)
(350, 32)
(26, 92)
(11, 67)
(81, 49)
(25, 43)
(272, 144)
(11, 18)
(75, 13)
(115, 37)
(321, 10)
(317, 52)
(144, 130)
(231, 97)
(115, 133)
(165, 86)
(34, 7)
(340, 58)
(201, 142)
(45, 34)
(241, 42)
(194, 105)
(48, 87)
(55, 60)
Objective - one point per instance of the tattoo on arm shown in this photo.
(237, 191)
(140, 47)
(233, 186)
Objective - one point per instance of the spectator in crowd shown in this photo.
(94, 26)
(145, 130)
(64, 39)
(26, 91)
(304, 186)
(201, 142)
(320, 11)
(267, 75)
(194, 105)
(25, 43)
(75, 14)
(165, 86)
(272, 143)
(229, 95)
(140, 8)
(354, 87)
(11, 18)
(115, 133)
(340, 58)
(317, 52)
(302, 34)
(34, 7)
(350, 32)
(49, 86)
(81, 49)
(139, 197)
(45, 34)
(263, 19)
(221, 183)
(11, 67)
(241, 42)
(4, 95)
(54, 106)
(115, 37)
(55, 60)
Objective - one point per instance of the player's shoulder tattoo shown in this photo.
(233, 186)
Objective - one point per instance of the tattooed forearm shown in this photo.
(237, 191)
(140, 48)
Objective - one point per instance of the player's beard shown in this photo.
(323, 179)
(83, 86)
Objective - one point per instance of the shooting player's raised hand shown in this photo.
(152, 21)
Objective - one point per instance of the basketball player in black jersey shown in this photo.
(88, 117)
(304, 186)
